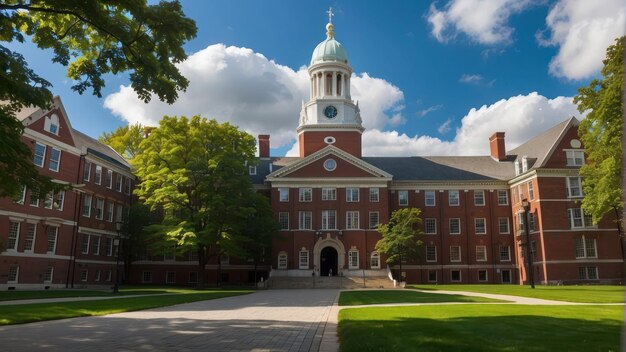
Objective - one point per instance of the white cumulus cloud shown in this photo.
(484, 21)
(260, 96)
(582, 30)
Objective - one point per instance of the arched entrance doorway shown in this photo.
(328, 261)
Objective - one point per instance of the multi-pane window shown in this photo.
(97, 278)
(479, 226)
(109, 246)
(455, 275)
(503, 226)
(429, 198)
(455, 253)
(305, 220)
(430, 226)
(99, 208)
(283, 194)
(110, 207)
(432, 275)
(47, 203)
(482, 275)
(14, 233)
(55, 160)
(304, 259)
(329, 219)
(353, 259)
(588, 273)
(29, 242)
(531, 190)
(14, 272)
(481, 253)
(329, 194)
(505, 253)
(87, 205)
(375, 260)
(59, 200)
(127, 185)
(403, 198)
(34, 198)
(503, 197)
(479, 198)
(524, 163)
(108, 275)
(574, 187)
(586, 248)
(109, 179)
(119, 211)
(352, 220)
(86, 241)
(373, 219)
(454, 226)
(86, 171)
(575, 157)
(47, 276)
(282, 260)
(40, 153)
(305, 194)
(170, 277)
(283, 220)
(578, 219)
(453, 198)
(146, 276)
(374, 194)
(52, 233)
(96, 245)
(98, 175)
(431, 253)
(118, 183)
(352, 194)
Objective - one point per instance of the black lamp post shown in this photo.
(117, 242)
(531, 271)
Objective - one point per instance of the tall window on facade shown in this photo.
(453, 198)
(430, 226)
(170, 277)
(304, 259)
(574, 187)
(578, 219)
(305, 194)
(503, 226)
(479, 198)
(429, 198)
(586, 248)
(29, 242)
(109, 215)
(14, 233)
(482, 275)
(282, 260)
(352, 194)
(55, 160)
(39, 155)
(432, 275)
(524, 163)
(14, 273)
(503, 197)
(283, 220)
(588, 273)
(374, 195)
(505, 253)
(431, 253)
(127, 186)
(47, 277)
(51, 124)
(118, 183)
(52, 233)
(96, 245)
(146, 276)
(34, 198)
(353, 259)
(329, 84)
(99, 208)
(98, 175)
(329, 194)
(481, 253)
(352, 220)
(575, 157)
(86, 171)
(454, 226)
(86, 242)
(47, 203)
(109, 179)
(283, 194)
(339, 84)
(58, 200)
(109, 246)
(119, 213)
(21, 198)
(531, 190)
(329, 219)
(403, 198)
(480, 226)
(373, 219)
(305, 222)
(375, 260)
(455, 253)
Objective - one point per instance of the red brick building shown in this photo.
(65, 239)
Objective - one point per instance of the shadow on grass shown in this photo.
(487, 333)
(351, 298)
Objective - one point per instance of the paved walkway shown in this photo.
(272, 320)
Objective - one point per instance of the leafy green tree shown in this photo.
(195, 170)
(91, 38)
(135, 234)
(126, 140)
(400, 236)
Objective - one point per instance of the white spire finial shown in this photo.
(330, 14)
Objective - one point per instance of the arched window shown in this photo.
(52, 124)
(339, 84)
(375, 260)
(282, 260)
(329, 84)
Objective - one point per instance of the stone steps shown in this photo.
(287, 282)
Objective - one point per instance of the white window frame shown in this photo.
(48, 276)
(568, 181)
(36, 156)
(283, 194)
(127, 185)
(283, 215)
(170, 277)
(352, 194)
(477, 229)
(252, 170)
(453, 258)
(460, 275)
(27, 240)
(16, 275)
(58, 200)
(583, 273)
(84, 275)
(574, 157)
(109, 179)
(502, 221)
(433, 222)
(110, 209)
(454, 198)
(371, 223)
(22, 199)
(305, 194)
(479, 201)
(97, 278)
(86, 244)
(432, 250)
(457, 220)
(146, 276)
(87, 199)
(375, 260)
(55, 161)
(486, 275)
(428, 196)
(329, 194)
(109, 246)
(353, 259)
(329, 220)
(531, 190)
(13, 232)
(584, 219)
(503, 194)
(586, 245)
(86, 171)
(98, 175)
(303, 260)
(99, 208)
(118, 182)
(54, 241)
(433, 272)
(52, 120)
(507, 250)
(305, 218)
(481, 253)
(96, 245)
(403, 198)
(374, 194)
(352, 220)
(282, 260)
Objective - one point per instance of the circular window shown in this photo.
(329, 140)
(575, 143)
(330, 164)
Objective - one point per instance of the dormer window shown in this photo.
(524, 163)
(52, 124)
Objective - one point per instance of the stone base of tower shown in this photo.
(312, 141)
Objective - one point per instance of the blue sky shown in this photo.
(431, 77)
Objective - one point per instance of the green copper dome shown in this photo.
(329, 49)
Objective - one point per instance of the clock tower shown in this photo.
(330, 116)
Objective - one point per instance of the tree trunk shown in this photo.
(218, 279)
(202, 260)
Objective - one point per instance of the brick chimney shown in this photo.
(496, 144)
(264, 146)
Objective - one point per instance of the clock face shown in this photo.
(330, 111)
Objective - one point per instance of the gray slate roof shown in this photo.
(98, 149)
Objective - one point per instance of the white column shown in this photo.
(347, 86)
(323, 83)
(334, 91)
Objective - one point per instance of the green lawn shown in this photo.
(352, 298)
(26, 313)
(588, 294)
(489, 327)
